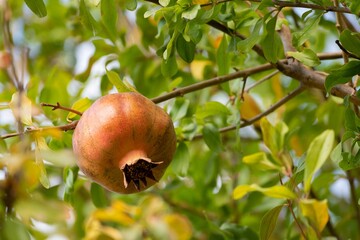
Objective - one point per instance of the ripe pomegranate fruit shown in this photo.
(124, 142)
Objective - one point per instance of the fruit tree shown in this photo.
(179, 119)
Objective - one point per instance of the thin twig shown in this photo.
(243, 89)
(211, 82)
(67, 127)
(311, 6)
(250, 121)
(354, 198)
(58, 106)
(267, 77)
(292, 213)
(211, 3)
(346, 51)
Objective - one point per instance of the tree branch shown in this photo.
(293, 213)
(58, 106)
(211, 82)
(248, 122)
(67, 127)
(354, 198)
(311, 6)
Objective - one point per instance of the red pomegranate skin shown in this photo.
(120, 129)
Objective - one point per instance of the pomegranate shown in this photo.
(124, 142)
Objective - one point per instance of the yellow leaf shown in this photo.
(80, 105)
(260, 161)
(200, 1)
(21, 107)
(179, 226)
(279, 192)
(249, 108)
(316, 212)
(241, 191)
(296, 145)
(275, 191)
(119, 212)
(41, 145)
(197, 68)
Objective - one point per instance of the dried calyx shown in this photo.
(139, 171)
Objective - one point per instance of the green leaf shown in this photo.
(70, 177)
(336, 153)
(14, 229)
(131, 5)
(169, 67)
(350, 41)
(268, 222)
(181, 160)
(87, 19)
(265, 4)
(275, 191)
(342, 74)
(191, 13)
(355, 7)
(179, 109)
(185, 49)
(211, 109)
(37, 6)
(212, 137)
(307, 57)
(316, 212)
(80, 105)
(272, 44)
(98, 195)
(248, 43)
(164, 3)
(299, 38)
(3, 146)
(222, 57)
(349, 161)
(350, 120)
(117, 82)
(109, 16)
(318, 152)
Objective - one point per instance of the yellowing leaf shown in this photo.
(260, 160)
(80, 105)
(274, 136)
(95, 230)
(275, 191)
(119, 212)
(200, 1)
(41, 209)
(117, 82)
(316, 212)
(40, 146)
(197, 68)
(242, 190)
(179, 226)
(318, 152)
(21, 107)
(279, 192)
(249, 108)
(296, 145)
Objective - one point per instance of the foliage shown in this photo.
(264, 102)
